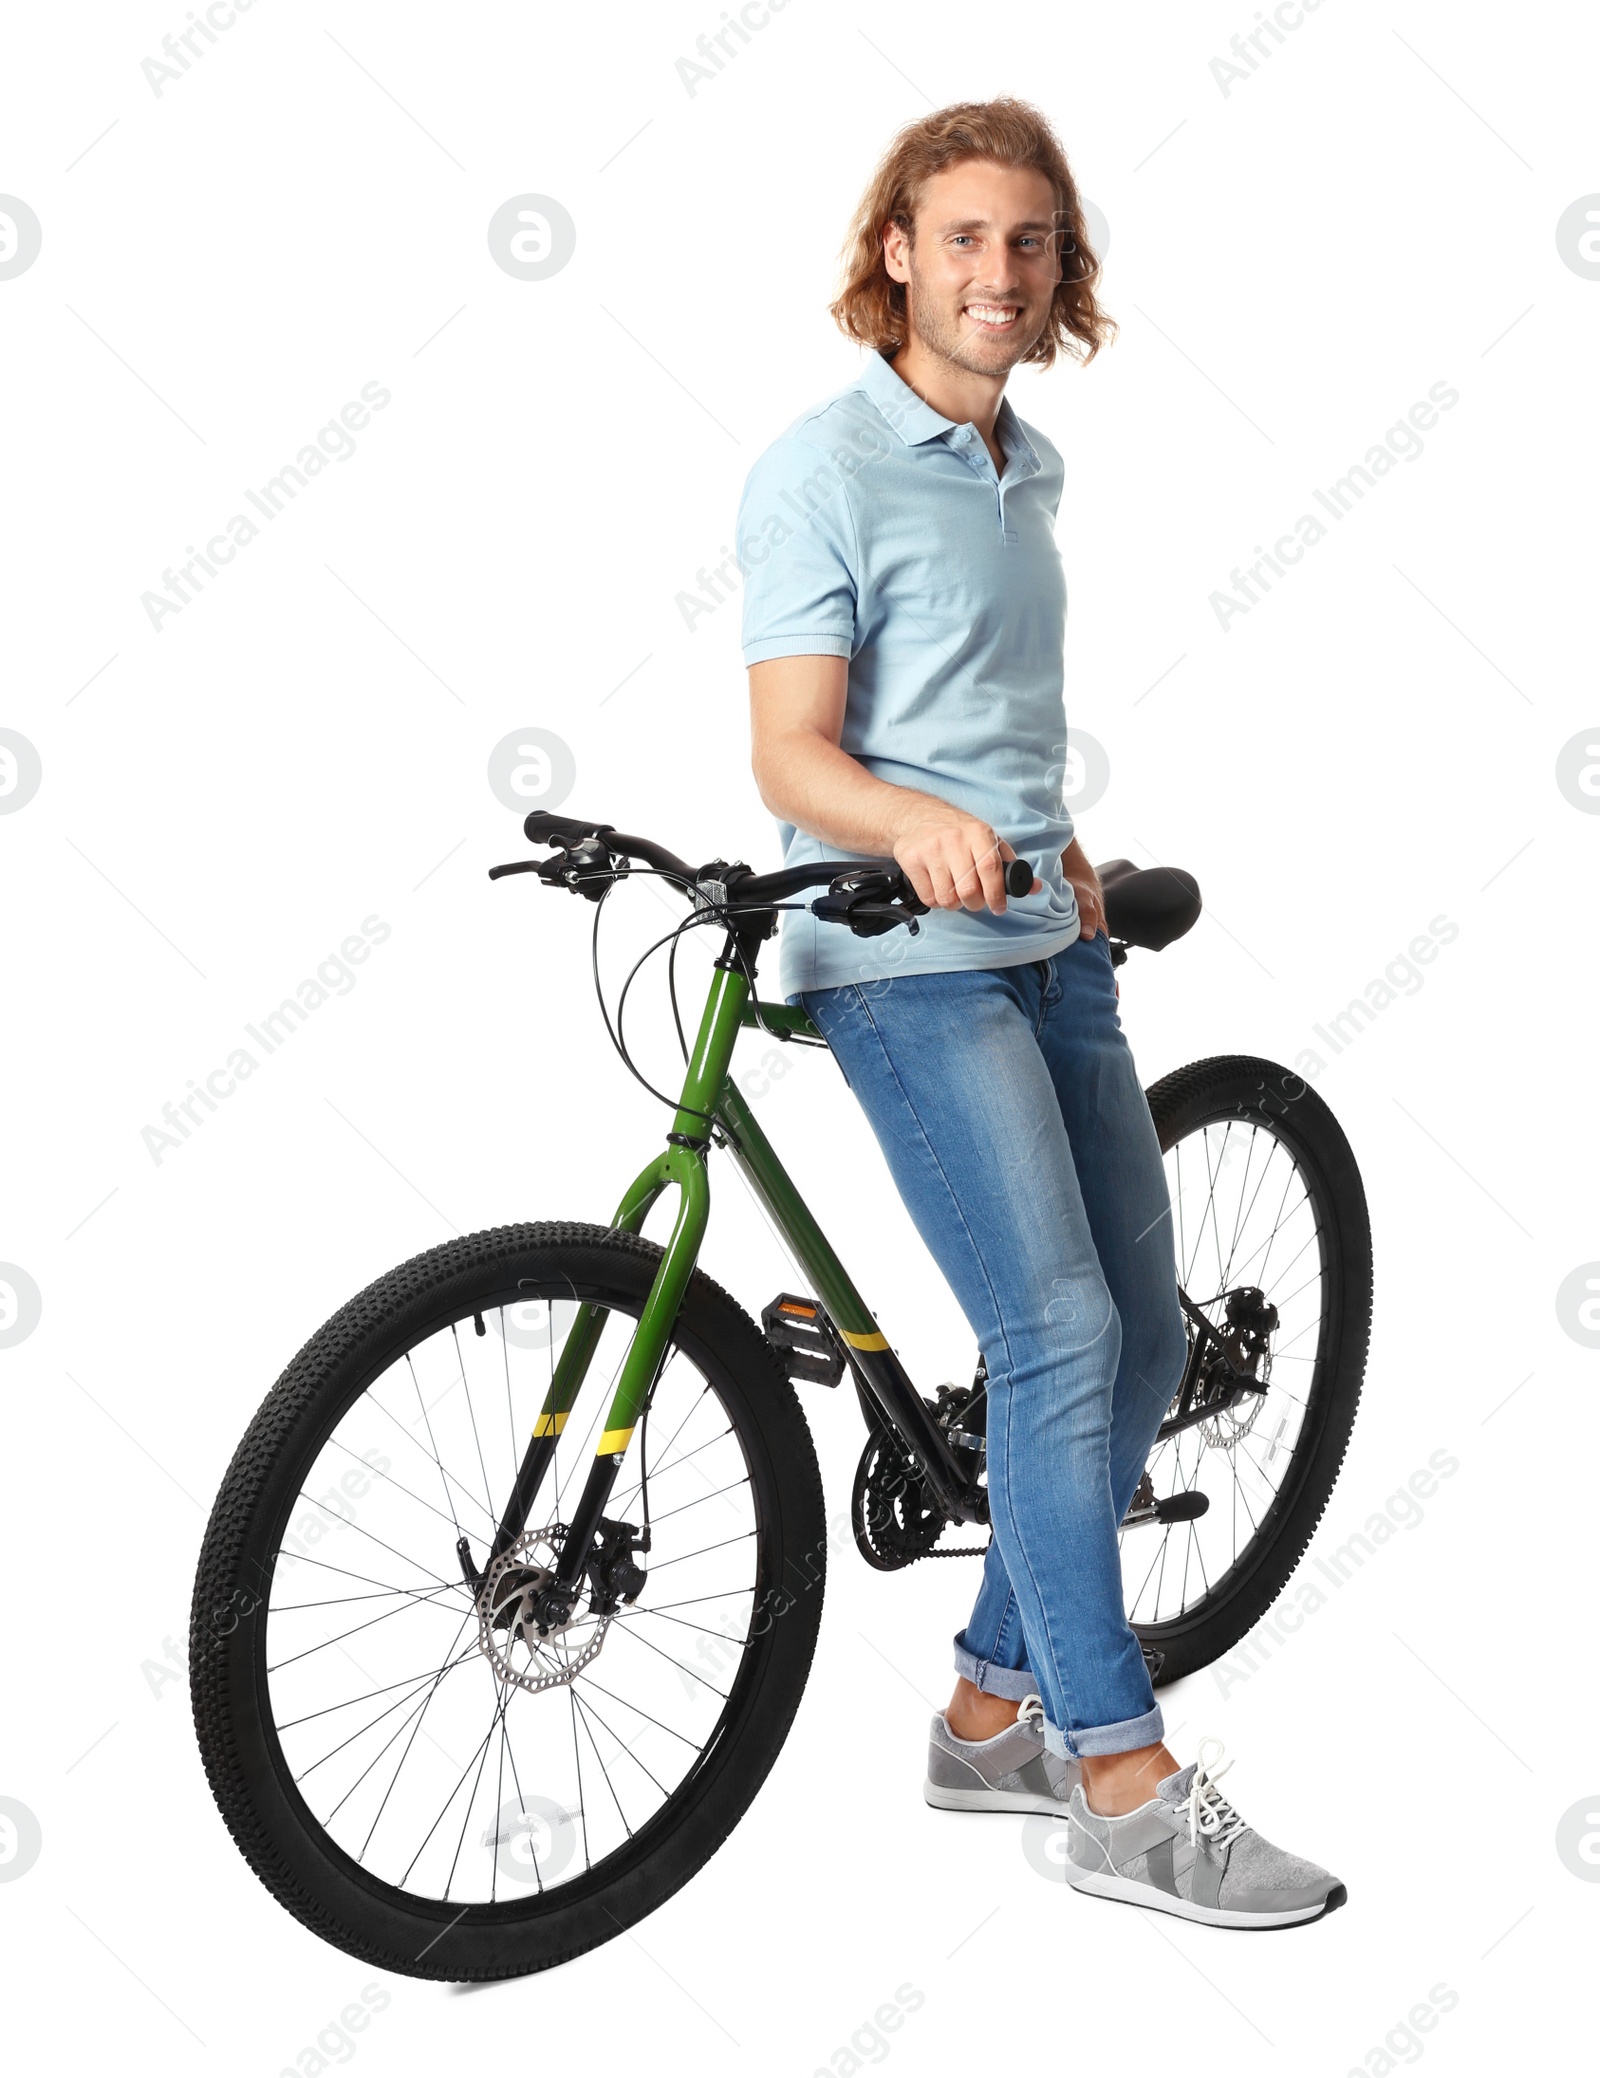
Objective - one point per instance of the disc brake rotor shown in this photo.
(508, 1631)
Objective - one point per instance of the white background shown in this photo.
(1294, 262)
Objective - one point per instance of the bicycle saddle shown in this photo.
(1148, 906)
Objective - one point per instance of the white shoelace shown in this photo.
(1031, 1711)
(1210, 1813)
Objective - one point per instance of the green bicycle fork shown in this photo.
(710, 1101)
(681, 1165)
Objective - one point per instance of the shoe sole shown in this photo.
(1127, 1890)
(992, 1800)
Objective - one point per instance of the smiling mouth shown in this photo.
(992, 317)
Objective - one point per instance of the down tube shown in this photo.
(875, 1362)
(757, 1157)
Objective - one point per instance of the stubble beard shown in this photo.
(944, 332)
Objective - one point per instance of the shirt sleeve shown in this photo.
(796, 546)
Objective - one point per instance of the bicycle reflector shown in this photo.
(799, 1331)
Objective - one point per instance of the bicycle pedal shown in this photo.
(801, 1333)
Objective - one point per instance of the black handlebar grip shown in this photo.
(541, 826)
(1019, 877)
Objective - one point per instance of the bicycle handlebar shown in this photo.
(867, 907)
(541, 827)
(790, 880)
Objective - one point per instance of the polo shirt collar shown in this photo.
(1014, 443)
(904, 410)
(916, 421)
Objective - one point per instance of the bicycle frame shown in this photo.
(710, 1106)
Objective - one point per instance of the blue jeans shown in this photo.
(1007, 1105)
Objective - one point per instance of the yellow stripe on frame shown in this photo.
(872, 1341)
(613, 1440)
(549, 1424)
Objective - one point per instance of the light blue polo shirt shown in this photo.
(877, 530)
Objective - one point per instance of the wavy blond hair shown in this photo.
(870, 307)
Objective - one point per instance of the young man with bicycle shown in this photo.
(903, 623)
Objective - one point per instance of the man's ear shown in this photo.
(896, 252)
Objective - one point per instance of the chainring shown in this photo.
(895, 1518)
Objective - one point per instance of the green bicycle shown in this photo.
(511, 1589)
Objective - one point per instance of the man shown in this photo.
(903, 624)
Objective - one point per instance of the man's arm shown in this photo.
(952, 859)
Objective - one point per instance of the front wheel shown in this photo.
(1270, 1219)
(409, 1767)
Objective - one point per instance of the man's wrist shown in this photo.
(916, 811)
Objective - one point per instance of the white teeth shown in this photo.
(993, 314)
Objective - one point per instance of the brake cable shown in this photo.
(711, 914)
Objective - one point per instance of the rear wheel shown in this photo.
(408, 1767)
(1266, 1199)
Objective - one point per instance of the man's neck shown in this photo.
(955, 393)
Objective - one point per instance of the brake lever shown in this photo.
(872, 919)
(857, 900)
(586, 868)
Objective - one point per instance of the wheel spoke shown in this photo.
(415, 1687)
(324, 1643)
(583, 1715)
(401, 1486)
(701, 1499)
(416, 1441)
(427, 1421)
(472, 1416)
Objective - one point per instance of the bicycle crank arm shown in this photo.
(885, 1387)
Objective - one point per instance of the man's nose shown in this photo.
(999, 273)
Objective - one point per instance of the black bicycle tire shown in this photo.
(299, 1865)
(1241, 1086)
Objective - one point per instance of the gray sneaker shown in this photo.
(1190, 1853)
(1013, 1771)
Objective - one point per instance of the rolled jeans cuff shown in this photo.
(1016, 1684)
(1126, 1737)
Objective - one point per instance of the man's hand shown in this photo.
(1085, 883)
(954, 860)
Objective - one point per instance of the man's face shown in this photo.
(984, 264)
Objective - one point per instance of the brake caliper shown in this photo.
(614, 1575)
